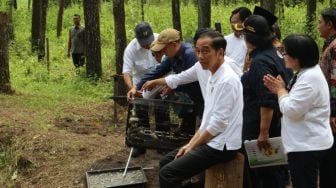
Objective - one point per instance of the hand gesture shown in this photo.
(274, 84)
(132, 93)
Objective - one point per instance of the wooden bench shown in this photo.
(226, 175)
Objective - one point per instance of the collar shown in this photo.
(179, 55)
(218, 73)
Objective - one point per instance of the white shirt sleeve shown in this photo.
(298, 102)
(184, 77)
(128, 60)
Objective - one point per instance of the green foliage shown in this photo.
(64, 84)
(30, 76)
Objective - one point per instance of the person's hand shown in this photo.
(132, 93)
(166, 90)
(149, 85)
(263, 141)
(333, 124)
(183, 150)
(274, 84)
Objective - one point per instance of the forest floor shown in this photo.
(79, 140)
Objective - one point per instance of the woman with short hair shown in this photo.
(305, 108)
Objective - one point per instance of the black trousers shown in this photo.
(78, 59)
(303, 168)
(174, 172)
(328, 168)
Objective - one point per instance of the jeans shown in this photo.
(303, 167)
(174, 171)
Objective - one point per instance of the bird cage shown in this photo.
(155, 123)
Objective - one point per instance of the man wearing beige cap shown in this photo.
(180, 56)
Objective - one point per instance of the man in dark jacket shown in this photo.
(180, 56)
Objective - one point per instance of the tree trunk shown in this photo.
(10, 27)
(120, 45)
(92, 39)
(4, 58)
(142, 5)
(35, 24)
(268, 5)
(311, 15)
(15, 4)
(43, 25)
(120, 33)
(60, 18)
(176, 16)
(204, 13)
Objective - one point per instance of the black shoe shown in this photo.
(138, 151)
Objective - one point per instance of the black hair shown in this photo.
(199, 32)
(329, 15)
(243, 13)
(257, 31)
(303, 48)
(218, 41)
(77, 15)
(276, 31)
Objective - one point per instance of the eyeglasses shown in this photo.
(282, 50)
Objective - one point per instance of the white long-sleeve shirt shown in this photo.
(223, 109)
(138, 60)
(197, 73)
(236, 49)
(306, 112)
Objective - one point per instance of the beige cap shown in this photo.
(165, 37)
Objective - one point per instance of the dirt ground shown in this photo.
(73, 144)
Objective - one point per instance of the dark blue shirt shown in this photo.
(256, 94)
(185, 59)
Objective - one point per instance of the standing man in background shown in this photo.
(236, 47)
(76, 45)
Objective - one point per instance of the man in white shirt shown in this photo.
(138, 60)
(194, 73)
(236, 47)
(219, 136)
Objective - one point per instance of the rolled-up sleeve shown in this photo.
(160, 71)
(298, 102)
(185, 77)
(128, 61)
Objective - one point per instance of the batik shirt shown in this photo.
(328, 66)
